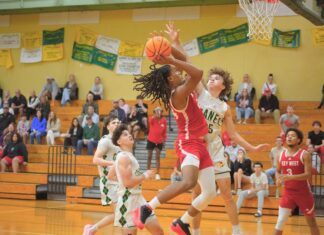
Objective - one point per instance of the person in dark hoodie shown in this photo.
(14, 154)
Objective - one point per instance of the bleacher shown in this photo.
(30, 183)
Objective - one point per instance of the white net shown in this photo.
(260, 16)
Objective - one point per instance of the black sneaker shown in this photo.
(180, 228)
(140, 215)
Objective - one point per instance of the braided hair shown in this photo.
(155, 85)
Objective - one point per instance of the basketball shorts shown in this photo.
(151, 146)
(108, 191)
(305, 202)
(194, 148)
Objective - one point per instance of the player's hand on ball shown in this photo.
(160, 59)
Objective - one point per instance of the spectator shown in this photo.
(5, 118)
(44, 106)
(19, 103)
(38, 128)
(244, 106)
(259, 189)
(156, 139)
(90, 137)
(268, 106)
(246, 84)
(118, 112)
(141, 112)
(322, 100)
(316, 160)
(50, 89)
(97, 89)
(316, 138)
(89, 102)
(15, 154)
(269, 85)
(53, 128)
(23, 128)
(74, 134)
(70, 90)
(33, 101)
(288, 120)
(230, 165)
(232, 150)
(242, 170)
(91, 113)
(133, 123)
(6, 135)
(7, 98)
(274, 156)
(122, 104)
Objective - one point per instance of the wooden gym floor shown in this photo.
(22, 217)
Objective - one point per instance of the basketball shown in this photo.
(157, 46)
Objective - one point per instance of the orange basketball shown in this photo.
(156, 46)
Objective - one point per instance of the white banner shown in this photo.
(31, 55)
(9, 40)
(108, 44)
(191, 48)
(129, 65)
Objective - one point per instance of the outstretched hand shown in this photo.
(160, 59)
(261, 147)
(172, 31)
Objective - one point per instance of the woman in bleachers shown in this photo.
(70, 90)
(89, 102)
(44, 106)
(14, 154)
(33, 101)
(6, 135)
(242, 171)
(23, 128)
(74, 134)
(244, 106)
(53, 128)
(122, 104)
(133, 123)
(97, 89)
(38, 128)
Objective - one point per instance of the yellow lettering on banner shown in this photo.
(5, 58)
(52, 52)
(31, 40)
(318, 37)
(131, 49)
(86, 37)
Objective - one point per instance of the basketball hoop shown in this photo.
(260, 16)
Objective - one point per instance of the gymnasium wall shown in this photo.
(299, 73)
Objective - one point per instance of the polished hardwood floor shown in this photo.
(27, 217)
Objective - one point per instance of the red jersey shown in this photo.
(158, 129)
(294, 165)
(190, 121)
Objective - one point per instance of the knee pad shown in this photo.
(282, 218)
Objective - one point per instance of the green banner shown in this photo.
(83, 53)
(53, 37)
(210, 41)
(236, 35)
(104, 59)
(289, 39)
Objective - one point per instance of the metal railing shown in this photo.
(318, 183)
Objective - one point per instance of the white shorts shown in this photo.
(108, 191)
(216, 151)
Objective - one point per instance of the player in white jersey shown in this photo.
(104, 158)
(129, 176)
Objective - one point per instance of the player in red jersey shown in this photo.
(294, 170)
(167, 84)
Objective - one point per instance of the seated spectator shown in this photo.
(53, 128)
(91, 113)
(14, 154)
(259, 189)
(316, 160)
(156, 139)
(133, 124)
(23, 128)
(122, 104)
(5, 118)
(288, 120)
(90, 137)
(74, 134)
(316, 138)
(268, 106)
(44, 106)
(89, 102)
(246, 84)
(269, 85)
(322, 100)
(244, 106)
(50, 89)
(69, 90)
(274, 156)
(10, 109)
(33, 101)
(232, 150)
(6, 135)
(118, 112)
(19, 103)
(242, 171)
(230, 165)
(6, 98)
(141, 112)
(38, 128)
(97, 89)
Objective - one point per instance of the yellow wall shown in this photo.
(299, 73)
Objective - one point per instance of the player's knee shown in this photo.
(282, 218)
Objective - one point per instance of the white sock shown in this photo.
(236, 229)
(186, 218)
(196, 231)
(154, 203)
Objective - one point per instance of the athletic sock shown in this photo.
(186, 218)
(236, 229)
(196, 231)
(154, 203)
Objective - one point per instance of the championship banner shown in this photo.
(30, 55)
(83, 53)
(191, 48)
(235, 36)
(5, 58)
(131, 49)
(289, 39)
(53, 52)
(108, 44)
(31, 40)
(104, 59)
(210, 42)
(86, 37)
(9, 40)
(53, 37)
(318, 36)
(129, 65)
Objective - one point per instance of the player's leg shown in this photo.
(154, 227)
(311, 221)
(197, 219)
(282, 219)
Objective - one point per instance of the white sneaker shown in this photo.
(157, 177)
